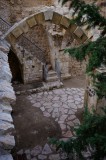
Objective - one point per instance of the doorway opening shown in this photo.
(16, 68)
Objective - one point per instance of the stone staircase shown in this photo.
(52, 75)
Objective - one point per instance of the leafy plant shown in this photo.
(94, 52)
(91, 134)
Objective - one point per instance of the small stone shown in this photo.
(46, 114)
(71, 112)
(37, 150)
(63, 156)
(34, 158)
(46, 149)
(71, 117)
(41, 157)
(38, 105)
(42, 108)
(28, 157)
(54, 157)
(63, 126)
(63, 117)
(20, 152)
(76, 121)
(68, 134)
(27, 151)
(50, 110)
(55, 110)
(70, 123)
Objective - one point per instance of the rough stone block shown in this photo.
(7, 94)
(56, 18)
(10, 38)
(78, 32)
(5, 127)
(5, 108)
(17, 32)
(6, 157)
(6, 117)
(65, 22)
(7, 142)
(24, 26)
(48, 15)
(3, 56)
(84, 38)
(40, 18)
(31, 21)
(5, 73)
(73, 27)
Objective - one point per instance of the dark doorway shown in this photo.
(15, 67)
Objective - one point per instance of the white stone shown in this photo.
(6, 157)
(54, 157)
(6, 108)
(63, 126)
(63, 117)
(42, 108)
(5, 127)
(48, 15)
(46, 114)
(36, 151)
(7, 142)
(6, 117)
(42, 157)
(46, 150)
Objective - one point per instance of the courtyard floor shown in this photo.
(40, 116)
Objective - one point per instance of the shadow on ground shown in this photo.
(32, 128)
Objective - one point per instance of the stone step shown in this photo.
(51, 79)
(52, 73)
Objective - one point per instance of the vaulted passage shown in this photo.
(15, 67)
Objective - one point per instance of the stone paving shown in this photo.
(60, 104)
(46, 152)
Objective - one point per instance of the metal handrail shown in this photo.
(7, 26)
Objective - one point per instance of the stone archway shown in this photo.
(58, 31)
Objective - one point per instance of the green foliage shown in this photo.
(95, 50)
(93, 17)
(90, 134)
(100, 84)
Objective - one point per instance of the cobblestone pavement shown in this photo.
(47, 152)
(60, 104)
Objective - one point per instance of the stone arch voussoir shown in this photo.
(41, 18)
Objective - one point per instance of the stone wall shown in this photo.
(91, 98)
(7, 98)
(43, 37)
